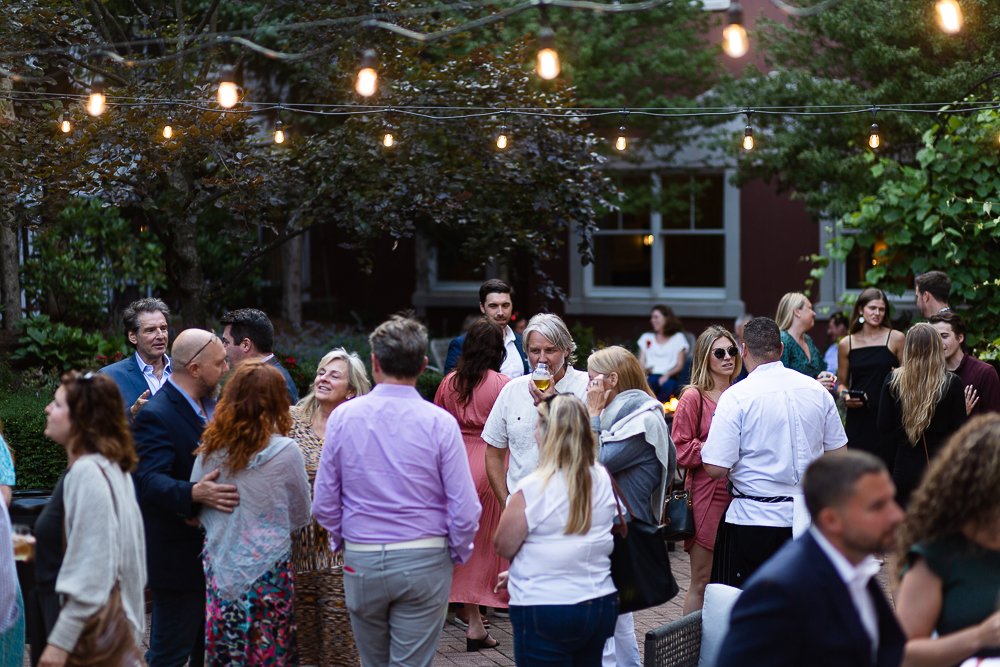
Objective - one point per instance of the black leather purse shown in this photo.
(677, 519)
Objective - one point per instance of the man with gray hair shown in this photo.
(395, 491)
(766, 430)
(511, 424)
(140, 375)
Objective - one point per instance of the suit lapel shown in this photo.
(841, 602)
(891, 638)
(136, 378)
(184, 409)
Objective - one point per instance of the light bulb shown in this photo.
(734, 35)
(65, 126)
(949, 16)
(279, 133)
(168, 130)
(96, 102)
(547, 64)
(502, 139)
(388, 140)
(873, 137)
(367, 82)
(228, 94)
(748, 142)
(621, 143)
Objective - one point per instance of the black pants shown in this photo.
(740, 550)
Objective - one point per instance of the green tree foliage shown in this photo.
(941, 213)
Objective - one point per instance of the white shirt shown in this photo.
(511, 423)
(661, 357)
(856, 578)
(555, 568)
(154, 383)
(513, 365)
(767, 429)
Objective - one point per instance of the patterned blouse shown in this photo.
(310, 545)
(793, 357)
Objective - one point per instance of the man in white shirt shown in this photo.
(815, 602)
(511, 424)
(496, 306)
(766, 430)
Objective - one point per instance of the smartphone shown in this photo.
(858, 394)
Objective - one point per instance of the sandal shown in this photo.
(472, 645)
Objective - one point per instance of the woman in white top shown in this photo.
(556, 530)
(103, 547)
(663, 352)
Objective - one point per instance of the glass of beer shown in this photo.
(541, 376)
(24, 542)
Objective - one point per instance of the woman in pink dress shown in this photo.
(469, 393)
(717, 364)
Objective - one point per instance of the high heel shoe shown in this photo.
(472, 645)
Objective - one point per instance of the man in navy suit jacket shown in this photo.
(167, 431)
(495, 304)
(141, 374)
(815, 602)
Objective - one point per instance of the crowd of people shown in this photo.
(242, 516)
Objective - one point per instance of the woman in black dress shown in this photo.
(922, 405)
(864, 359)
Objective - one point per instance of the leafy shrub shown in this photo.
(427, 384)
(57, 347)
(37, 460)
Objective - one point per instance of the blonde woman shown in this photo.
(635, 447)
(340, 376)
(796, 317)
(921, 405)
(950, 545)
(556, 531)
(717, 364)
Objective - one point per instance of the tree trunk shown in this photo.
(10, 278)
(291, 282)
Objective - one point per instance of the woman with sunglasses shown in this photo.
(634, 445)
(717, 364)
(90, 541)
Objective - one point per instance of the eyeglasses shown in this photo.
(720, 353)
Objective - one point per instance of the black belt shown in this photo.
(759, 499)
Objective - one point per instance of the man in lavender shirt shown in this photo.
(394, 490)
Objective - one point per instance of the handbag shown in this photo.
(107, 638)
(640, 566)
(677, 519)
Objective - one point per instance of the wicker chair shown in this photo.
(676, 644)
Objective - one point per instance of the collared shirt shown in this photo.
(511, 423)
(154, 383)
(394, 469)
(513, 364)
(204, 409)
(856, 578)
(766, 430)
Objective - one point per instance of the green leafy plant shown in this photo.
(56, 347)
(38, 460)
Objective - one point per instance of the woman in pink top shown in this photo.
(468, 393)
(717, 364)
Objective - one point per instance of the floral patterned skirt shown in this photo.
(258, 628)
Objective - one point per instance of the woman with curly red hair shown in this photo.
(247, 556)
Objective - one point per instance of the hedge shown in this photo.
(37, 460)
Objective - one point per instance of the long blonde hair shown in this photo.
(960, 487)
(568, 445)
(921, 381)
(787, 307)
(701, 369)
(616, 359)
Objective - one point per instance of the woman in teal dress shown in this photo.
(795, 317)
(949, 546)
(11, 641)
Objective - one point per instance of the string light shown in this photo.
(228, 93)
(621, 143)
(96, 101)
(734, 36)
(502, 138)
(748, 142)
(367, 80)
(874, 140)
(279, 133)
(65, 125)
(388, 140)
(168, 129)
(547, 62)
(949, 15)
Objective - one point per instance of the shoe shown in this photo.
(501, 613)
(473, 645)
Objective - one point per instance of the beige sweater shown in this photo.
(105, 542)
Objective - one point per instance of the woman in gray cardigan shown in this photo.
(104, 539)
(636, 449)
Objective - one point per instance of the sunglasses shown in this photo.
(720, 353)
